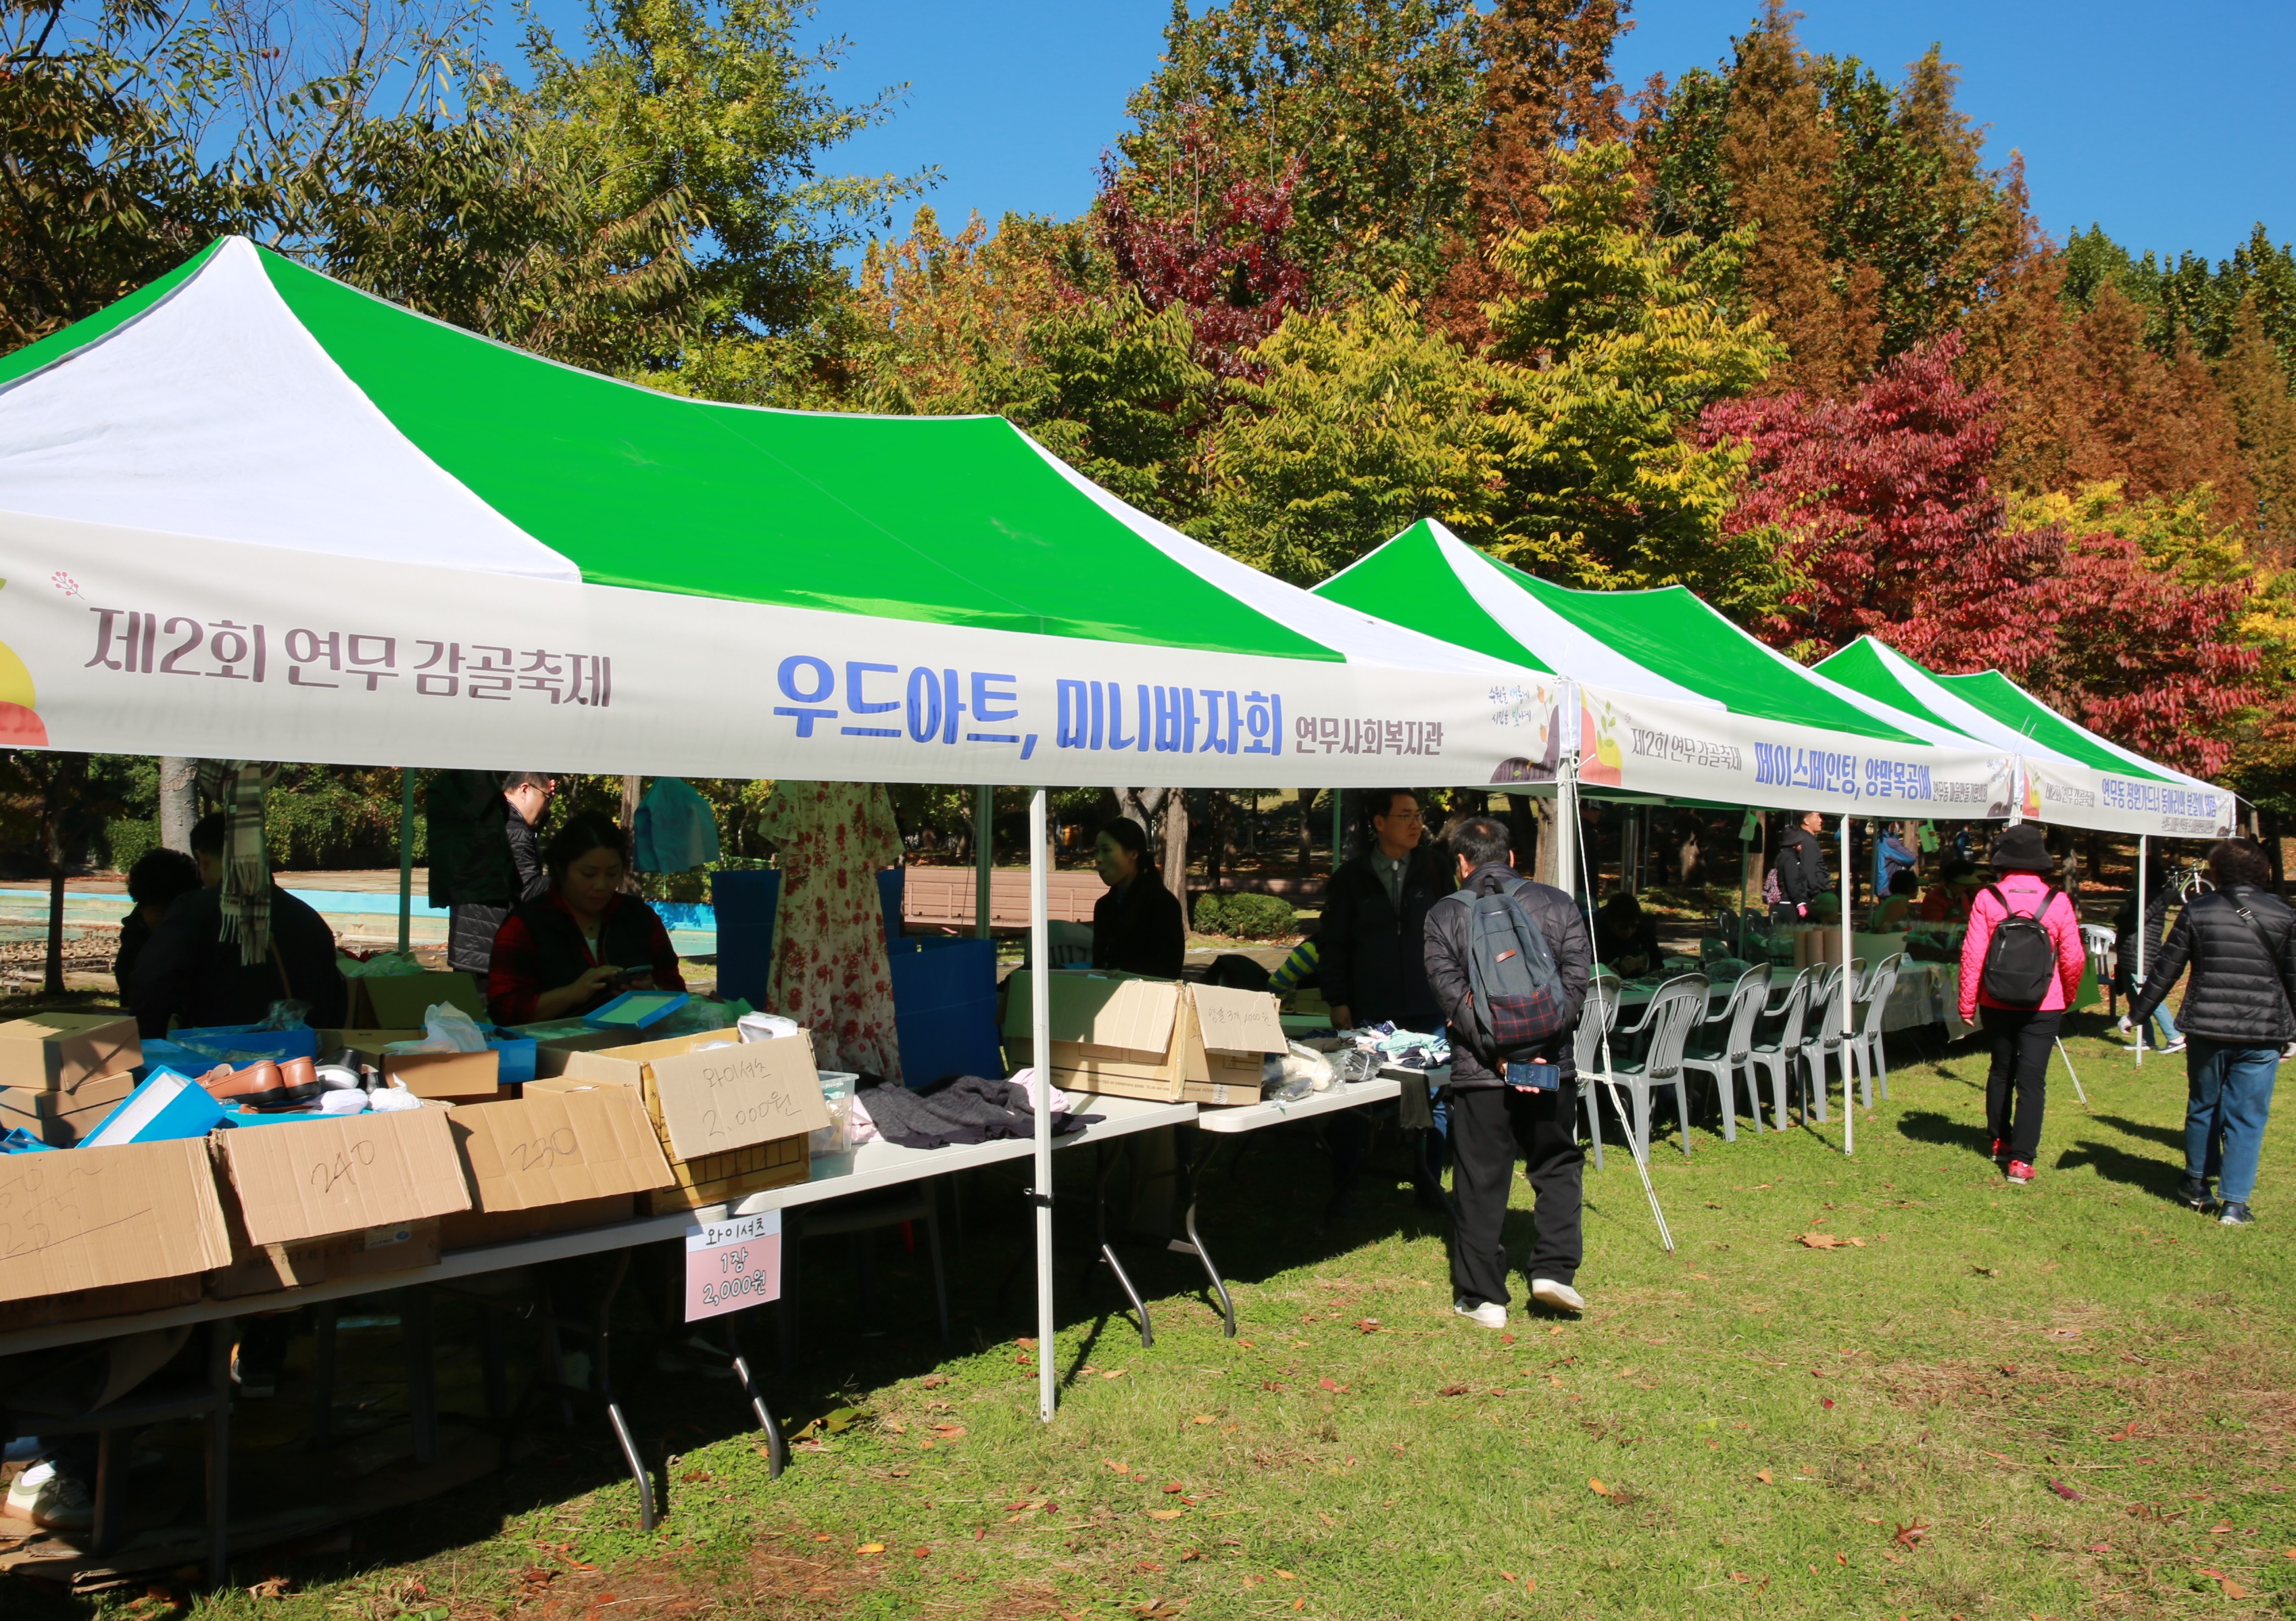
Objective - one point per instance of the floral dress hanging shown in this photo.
(830, 972)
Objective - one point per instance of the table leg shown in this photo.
(419, 1343)
(776, 1451)
(1108, 1250)
(601, 1371)
(1194, 1244)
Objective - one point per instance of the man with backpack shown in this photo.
(2241, 942)
(2020, 968)
(1508, 961)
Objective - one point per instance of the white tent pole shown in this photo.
(2143, 858)
(1040, 1049)
(1849, 1003)
(984, 860)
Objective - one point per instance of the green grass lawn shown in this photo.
(2073, 1399)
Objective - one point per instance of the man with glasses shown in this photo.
(1371, 949)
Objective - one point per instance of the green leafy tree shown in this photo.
(1373, 103)
(1365, 423)
(1617, 342)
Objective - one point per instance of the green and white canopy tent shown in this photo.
(2070, 775)
(1672, 699)
(250, 512)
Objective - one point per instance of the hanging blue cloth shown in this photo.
(677, 831)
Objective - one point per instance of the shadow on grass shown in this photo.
(2168, 1137)
(2158, 1177)
(1927, 1125)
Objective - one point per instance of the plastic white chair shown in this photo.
(1676, 1006)
(1070, 944)
(1736, 1020)
(1776, 1053)
(1596, 1016)
(1824, 1043)
(1865, 1050)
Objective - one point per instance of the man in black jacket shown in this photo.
(2241, 942)
(1369, 945)
(1801, 867)
(1490, 1120)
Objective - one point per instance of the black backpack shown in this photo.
(2021, 960)
(1518, 1001)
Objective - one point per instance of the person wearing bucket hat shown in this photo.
(2020, 968)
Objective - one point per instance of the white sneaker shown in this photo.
(53, 1502)
(2175, 1046)
(1561, 1297)
(1488, 1313)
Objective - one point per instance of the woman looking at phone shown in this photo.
(584, 942)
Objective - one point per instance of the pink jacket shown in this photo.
(2024, 890)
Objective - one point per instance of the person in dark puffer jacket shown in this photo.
(2240, 942)
(1490, 1121)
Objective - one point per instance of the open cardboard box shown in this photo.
(319, 1200)
(1165, 1040)
(96, 1231)
(557, 1040)
(733, 1120)
(396, 1001)
(45, 1051)
(60, 1117)
(552, 1163)
(454, 1077)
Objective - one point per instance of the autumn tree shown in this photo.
(1358, 110)
(1545, 87)
(1365, 423)
(1616, 341)
(2255, 386)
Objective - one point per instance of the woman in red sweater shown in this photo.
(2016, 1088)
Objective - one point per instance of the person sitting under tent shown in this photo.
(190, 973)
(583, 943)
(1137, 926)
(1626, 936)
(1948, 900)
(154, 884)
(1896, 907)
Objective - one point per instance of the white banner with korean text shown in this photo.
(2074, 795)
(123, 641)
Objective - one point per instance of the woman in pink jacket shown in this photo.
(2021, 1035)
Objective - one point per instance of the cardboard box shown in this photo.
(61, 1117)
(311, 1178)
(374, 1252)
(558, 1148)
(1155, 1039)
(477, 1228)
(732, 1096)
(89, 1305)
(49, 1051)
(557, 1041)
(733, 1121)
(458, 1077)
(399, 1000)
(93, 1218)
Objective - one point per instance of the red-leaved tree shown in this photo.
(1205, 232)
(1885, 510)
(1883, 507)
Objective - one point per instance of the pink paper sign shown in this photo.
(732, 1264)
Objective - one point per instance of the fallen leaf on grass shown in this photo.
(269, 1587)
(1453, 1390)
(1026, 1345)
(1165, 1513)
(1763, 1476)
(1911, 1536)
(1287, 1575)
(2065, 1490)
(933, 1381)
(949, 1432)
(871, 1548)
(1332, 1385)
(1122, 1469)
(1115, 1373)
(2232, 1589)
(1202, 1418)
(1599, 1490)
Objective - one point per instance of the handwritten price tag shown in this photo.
(732, 1264)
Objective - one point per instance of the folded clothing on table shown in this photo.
(959, 1109)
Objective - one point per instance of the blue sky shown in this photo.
(2171, 125)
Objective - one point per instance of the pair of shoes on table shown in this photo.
(2020, 1172)
(2194, 1195)
(52, 1501)
(2234, 1213)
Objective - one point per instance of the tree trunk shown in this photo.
(1545, 846)
(179, 800)
(631, 786)
(1307, 831)
(1176, 845)
(53, 979)
(1216, 851)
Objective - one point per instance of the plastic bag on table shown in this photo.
(447, 1028)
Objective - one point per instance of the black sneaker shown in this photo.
(2194, 1194)
(2234, 1213)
